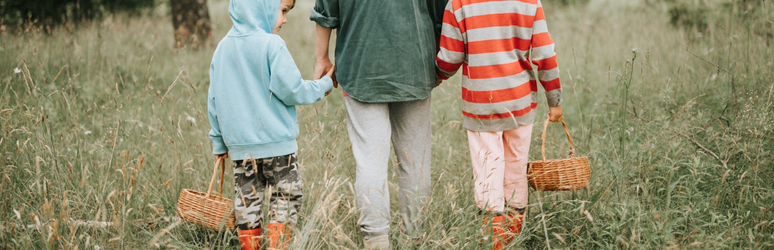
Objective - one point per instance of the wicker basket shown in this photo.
(205, 209)
(554, 175)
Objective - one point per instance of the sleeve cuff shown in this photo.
(440, 75)
(327, 22)
(219, 148)
(554, 97)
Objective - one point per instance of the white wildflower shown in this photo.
(16, 71)
(87, 132)
(190, 119)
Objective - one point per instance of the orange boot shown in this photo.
(515, 219)
(250, 239)
(277, 235)
(498, 233)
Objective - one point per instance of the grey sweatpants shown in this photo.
(371, 127)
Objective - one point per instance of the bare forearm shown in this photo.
(322, 42)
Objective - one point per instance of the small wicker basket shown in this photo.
(572, 173)
(205, 209)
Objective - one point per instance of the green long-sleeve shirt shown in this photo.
(385, 49)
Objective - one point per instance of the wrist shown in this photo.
(322, 59)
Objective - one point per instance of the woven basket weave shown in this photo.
(205, 209)
(572, 173)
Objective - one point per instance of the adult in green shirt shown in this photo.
(385, 57)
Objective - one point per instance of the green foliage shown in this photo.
(50, 12)
(124, 5)
(701, 16)
(689, 15)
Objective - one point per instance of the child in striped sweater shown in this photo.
(496, 42)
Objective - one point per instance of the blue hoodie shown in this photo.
(255, 85)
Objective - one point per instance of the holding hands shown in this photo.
(330, 69)
(324, 67)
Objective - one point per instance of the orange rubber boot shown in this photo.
(515, 219)
(250, 239)
(277, 235)
(498, 233)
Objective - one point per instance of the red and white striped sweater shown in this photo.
(492, 40)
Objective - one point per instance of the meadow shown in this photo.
(104, 121)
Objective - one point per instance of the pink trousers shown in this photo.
(500, 167)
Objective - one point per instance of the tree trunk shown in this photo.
(191, 20)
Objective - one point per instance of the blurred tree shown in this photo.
(191, 20)
(52, 12)
(131, 6)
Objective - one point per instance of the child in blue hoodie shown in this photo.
(254, 88)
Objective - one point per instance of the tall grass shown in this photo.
(106, 122)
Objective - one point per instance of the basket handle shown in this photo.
(220, 160)
(566, 131)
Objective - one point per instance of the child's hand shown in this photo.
(332, 76)
(555, 113)
(222, 156)
(438, 78)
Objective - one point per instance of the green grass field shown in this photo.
(104, 121)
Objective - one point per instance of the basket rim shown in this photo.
(564, 159)
(199, 193)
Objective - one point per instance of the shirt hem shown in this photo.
(265, 150)
(388, 100)
(499, 124)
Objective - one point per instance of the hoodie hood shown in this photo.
(251, 16)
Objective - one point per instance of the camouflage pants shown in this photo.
(276, 179)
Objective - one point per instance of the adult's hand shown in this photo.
(323, 67)
(555, 113)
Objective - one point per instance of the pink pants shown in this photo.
(500, 167)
